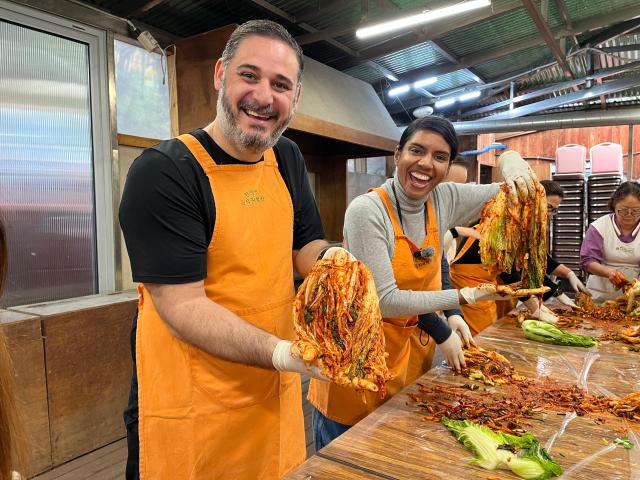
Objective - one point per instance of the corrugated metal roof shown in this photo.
(420, 55)
(186, 17)
(514, 62)
(580, 9)
(619, 58)
(490, 34)
(189, 17)
(296, 7)
(451, 80)
(578, 63)
(365, 72)
(323, 52)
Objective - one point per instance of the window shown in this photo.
(55, 160)
(142, 92)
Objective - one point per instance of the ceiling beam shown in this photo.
(615, 30)
(621, 48)
(391, 12)
(533, 41)
(399, 43)
(468, 61)
(597, 76)
(433, 31)
(581, 96)
(548, 37)
(500, 84)
(137, 9)
(411, 103)
(278, 12)
(453, 59)
(562, 10)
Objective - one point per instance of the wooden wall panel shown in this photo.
(88, 373)
(24, 341)
(331, 192)
(487, 158)
(194, 67)
(545, 143)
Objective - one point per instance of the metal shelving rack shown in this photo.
(568, 225)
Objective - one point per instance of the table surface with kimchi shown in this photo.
(403, 440)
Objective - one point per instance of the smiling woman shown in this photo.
(396, 230)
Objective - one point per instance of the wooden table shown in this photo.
(395, 443)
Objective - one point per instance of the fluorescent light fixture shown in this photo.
(398, 90)
(391, 76)
(445, 102)
(423, 17)
(425, 81)
(469, 96)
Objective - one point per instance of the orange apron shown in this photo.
(202, 417)
(408, 358)
(482, 314)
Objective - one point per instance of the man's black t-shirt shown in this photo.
(168, 212)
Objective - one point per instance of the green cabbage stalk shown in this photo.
(522, 455)
(548, 333)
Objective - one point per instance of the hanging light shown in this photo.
(445, 102)
(469, 96)
(424, 82)
(420, 18)
(394, 92)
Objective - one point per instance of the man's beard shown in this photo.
(253, 142)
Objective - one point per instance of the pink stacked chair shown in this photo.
(571, 158)
(606, 158)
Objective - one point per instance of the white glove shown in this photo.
(479, 294)
(517, 174)
(575, 283)
(451, 350)
(545, 315)
(332, 251)
(459, 326)
(562, 298)
(284, 361)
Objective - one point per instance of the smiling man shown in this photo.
(215, 223)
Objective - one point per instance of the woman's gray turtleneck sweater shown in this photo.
(368, 234)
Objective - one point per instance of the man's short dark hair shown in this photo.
(261, 28)
(552, 188)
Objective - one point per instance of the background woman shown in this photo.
(611, 243)
(396, 230)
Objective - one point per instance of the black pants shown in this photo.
(132, 471)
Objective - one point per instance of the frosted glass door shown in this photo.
(46, 166)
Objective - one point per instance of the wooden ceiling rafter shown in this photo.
(549, 39)
(566, 19)
(405, 41)
(472, 60)
(589, 23)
